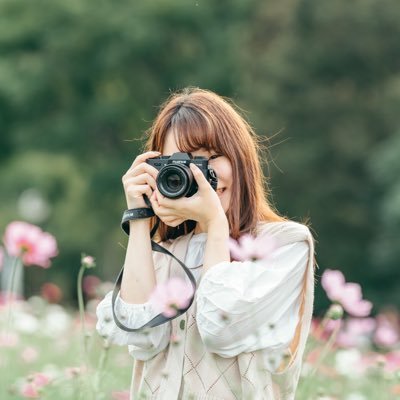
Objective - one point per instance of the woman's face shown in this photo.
(219, 163)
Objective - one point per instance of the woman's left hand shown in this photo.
(204, 206)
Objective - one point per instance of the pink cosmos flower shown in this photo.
(8, 339)
(355, 332)
(90, 284)
(352, 302)
(9, 298)
(333, 282)
(170, 296)
(29, 242)
(40, 379)
(330, 326)
(31, 389)
(250, 248)
(392, 361)
(371, 359)
(121, 395)
(386, 334)
(349, 295)
(29, 355)
(51, 292)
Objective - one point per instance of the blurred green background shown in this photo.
(81, 80)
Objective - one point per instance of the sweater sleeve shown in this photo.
(249, 306)
(143, 345)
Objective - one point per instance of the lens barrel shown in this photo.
(175, 181)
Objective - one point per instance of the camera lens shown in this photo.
(174, 181)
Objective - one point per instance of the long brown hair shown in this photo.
(202, 119)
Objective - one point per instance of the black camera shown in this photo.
(175, 178)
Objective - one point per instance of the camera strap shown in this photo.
(140, 213)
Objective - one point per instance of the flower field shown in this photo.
(48, 351)
(46, 341)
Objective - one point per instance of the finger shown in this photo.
(140, 180)
(141, 169)
(165, 214)
(160, 210)
(164, 201)
(154, 202)
(176, 206)
(149, 192)
(143, 157)
(139, 191)
(201, 180)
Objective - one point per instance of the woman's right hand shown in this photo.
(140, 179)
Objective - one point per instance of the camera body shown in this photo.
(175, 178)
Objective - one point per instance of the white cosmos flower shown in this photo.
(355, 396)
(25, 323)
(56, 322)
(348, 362)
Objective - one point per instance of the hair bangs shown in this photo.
(193, 131)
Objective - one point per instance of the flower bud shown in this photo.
(88, 261)
(335, 312)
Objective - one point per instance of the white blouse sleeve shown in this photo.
(248, 306)
(143, 345)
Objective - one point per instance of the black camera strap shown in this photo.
(139, 213)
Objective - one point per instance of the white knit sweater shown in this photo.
(231, 343)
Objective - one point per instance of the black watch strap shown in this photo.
(135, 213)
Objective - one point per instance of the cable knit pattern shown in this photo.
(232, 340)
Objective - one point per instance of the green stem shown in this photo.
(83, 326)
(81, 306)
(10, 292)
(100, 369)
(325, 349)
(309, 382)
(5, 379)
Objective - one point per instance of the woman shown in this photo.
(245, 333)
